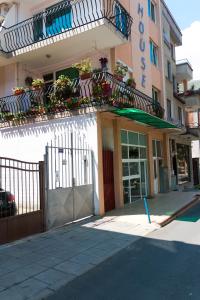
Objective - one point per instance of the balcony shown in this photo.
(68, 28)
(184, 70)
(102, 91)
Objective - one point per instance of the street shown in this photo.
(163, 265)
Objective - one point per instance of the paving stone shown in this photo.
(29, 288)
(20, 275)
(74, 268)
(53, 277)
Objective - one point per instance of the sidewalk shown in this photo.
(35, 267)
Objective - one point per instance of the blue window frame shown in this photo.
(153, 53)
(121, 20)
(58, 18)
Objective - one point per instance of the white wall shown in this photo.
(28, 142)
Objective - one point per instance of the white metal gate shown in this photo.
(69, 180)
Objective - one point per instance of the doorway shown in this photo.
(157, 163)
(134, 165)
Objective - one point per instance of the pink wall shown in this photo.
(131, 53)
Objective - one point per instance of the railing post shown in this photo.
(42, 192)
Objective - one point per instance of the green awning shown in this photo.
(143, 117)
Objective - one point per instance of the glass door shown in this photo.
(134, 165)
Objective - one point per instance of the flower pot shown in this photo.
(17, 93)
(85, 76)
(118, 77)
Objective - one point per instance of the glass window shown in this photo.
(124, 152)
(159, 149)
(133, 152)
(152, 10)
(58, 18)
(180, 115)
(125, 169)
(124, 137)
(143, 153)
(143, 140)
(169, 70)
(153, 53)
(154, 148)
(169, 110)
(133, 138)
(134, 168)
(135, 187)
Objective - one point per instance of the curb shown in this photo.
(180, 211)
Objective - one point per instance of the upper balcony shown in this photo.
(65, 29)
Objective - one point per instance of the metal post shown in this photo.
(147, 209)
(73, 179)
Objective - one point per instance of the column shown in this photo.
(117, 158)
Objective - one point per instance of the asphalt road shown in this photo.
(164, 265)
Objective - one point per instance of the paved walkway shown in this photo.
(37, 266)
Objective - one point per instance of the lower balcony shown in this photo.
(65, 29)
(100, 91)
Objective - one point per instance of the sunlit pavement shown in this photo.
(163, 265)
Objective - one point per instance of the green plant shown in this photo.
(84, 67)
(131, 82)
(62, 83)
(120, 69)
(38, 83)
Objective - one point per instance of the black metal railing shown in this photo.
(63, 17)
(99, 90)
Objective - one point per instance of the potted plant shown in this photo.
(107, 90)
(85, 68)
(38, 84)
(131, 82)
(120, 71)
(63, 87)
(103, 61)
(72, 103)
(18, 91)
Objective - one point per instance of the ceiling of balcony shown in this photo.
(53, 50)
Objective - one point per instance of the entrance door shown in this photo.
(108, 177)
(157, 162)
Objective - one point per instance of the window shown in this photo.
(169, 70)
(152, 10)
(174, 84)
(172, 51)
(58, 18)
(169, 110)
(166, 37)
(121, 20)
(153, 53)
(155, 94)
(180, 118)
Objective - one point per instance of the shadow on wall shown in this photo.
(76, 123)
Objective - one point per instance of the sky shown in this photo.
(187, 17)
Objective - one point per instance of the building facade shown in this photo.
(125, 127)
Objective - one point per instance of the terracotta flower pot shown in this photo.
(18, 92)
(85, 76)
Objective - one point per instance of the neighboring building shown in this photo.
(181, 166)
(43, 39)
(190, 92)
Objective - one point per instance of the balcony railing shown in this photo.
(64, 17)
(102, 90)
